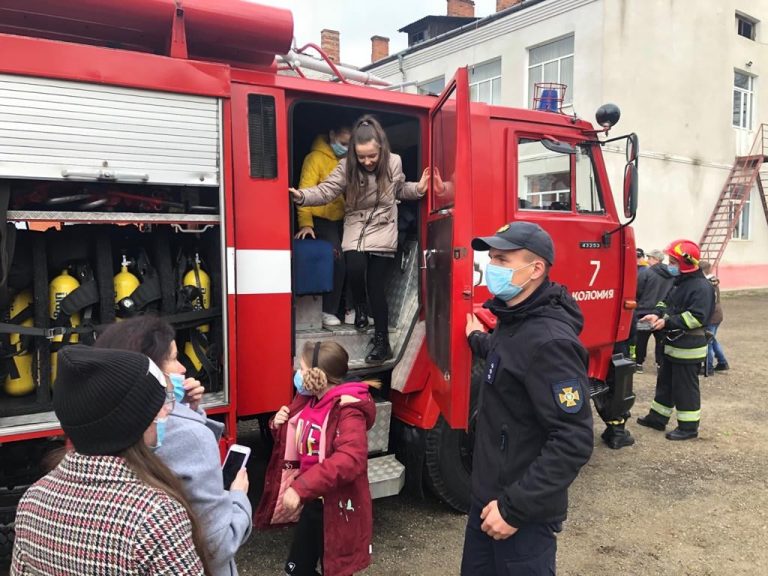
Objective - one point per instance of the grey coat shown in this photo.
(370, 225)
(191, 450)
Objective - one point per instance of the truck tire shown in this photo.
(7, 536)
(448, 453)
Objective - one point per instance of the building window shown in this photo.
(434, 86)
(742, 230)
(745, 26)
(552, 62)
(743, 96)
(485, 82)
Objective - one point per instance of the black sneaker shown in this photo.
(361, 318)
(639, 368)
(722, 367)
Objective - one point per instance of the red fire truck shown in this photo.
(146, 151)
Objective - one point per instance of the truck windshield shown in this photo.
(548, 180)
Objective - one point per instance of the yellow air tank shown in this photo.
(125, 284)
(59, 288)
(198, 278)
(20, 382)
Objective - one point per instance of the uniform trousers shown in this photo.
(677, 387)
(530, 551)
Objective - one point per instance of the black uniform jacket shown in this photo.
(653, 284)
(534, 422)
(687, 309)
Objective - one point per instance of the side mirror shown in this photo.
(630, 190)
(556, 146)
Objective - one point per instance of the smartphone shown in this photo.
(237, 458)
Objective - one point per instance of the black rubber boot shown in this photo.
(650, 421)
(616, 436)
(678, 434)
(381, 351)
(361, 318)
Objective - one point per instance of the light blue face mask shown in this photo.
(499, 281)
(160, 430)
(339, 149)
(674, 269)
(178, 386)
(298, 383)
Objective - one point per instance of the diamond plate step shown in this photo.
(378, 436)
(386, 476)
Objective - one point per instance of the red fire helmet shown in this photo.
(686, 252)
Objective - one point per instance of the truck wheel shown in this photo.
(7, 535)
(448, 454)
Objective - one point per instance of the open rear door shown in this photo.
(447, 258)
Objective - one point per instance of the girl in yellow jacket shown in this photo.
(326, 222)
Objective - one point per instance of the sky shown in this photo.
(358, 20)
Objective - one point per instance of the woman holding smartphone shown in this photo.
(190, 446)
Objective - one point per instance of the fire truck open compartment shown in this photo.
(309, 119)
(114, 207)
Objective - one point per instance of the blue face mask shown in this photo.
(298, 383)
(178, 386)
(160, 430)
(339, 149)
(500, 281)
(674, 269)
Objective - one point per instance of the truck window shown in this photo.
(543, 177)
(546, 179)
(444, 151)
(262, 136)
(588, 197)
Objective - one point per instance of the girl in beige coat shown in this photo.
(372, 180)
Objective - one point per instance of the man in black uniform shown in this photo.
(534, 422)
(682, 316)
(653, 284)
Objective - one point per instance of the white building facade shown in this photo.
(688, 75)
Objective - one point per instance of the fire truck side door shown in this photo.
(447, 259)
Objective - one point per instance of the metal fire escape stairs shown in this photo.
(747, 171)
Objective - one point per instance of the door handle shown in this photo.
(425, 256)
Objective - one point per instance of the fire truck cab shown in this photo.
(146, 154)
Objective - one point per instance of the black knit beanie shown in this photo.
(106, 399)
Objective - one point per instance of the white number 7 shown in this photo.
(596, 264)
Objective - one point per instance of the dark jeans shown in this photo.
(331, 231)
(641, 347)
(366, 270)
(531, 551)
(307, 545)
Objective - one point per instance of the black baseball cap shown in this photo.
(516, 236)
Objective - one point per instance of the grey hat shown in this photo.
(516, 236)
(657, 254)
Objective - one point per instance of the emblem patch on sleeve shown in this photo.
(568, 395)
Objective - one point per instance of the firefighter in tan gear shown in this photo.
(682, 316)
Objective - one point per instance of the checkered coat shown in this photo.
(92, 515)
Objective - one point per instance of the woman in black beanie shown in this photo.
(111, 506)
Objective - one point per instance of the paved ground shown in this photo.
(658, 508)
